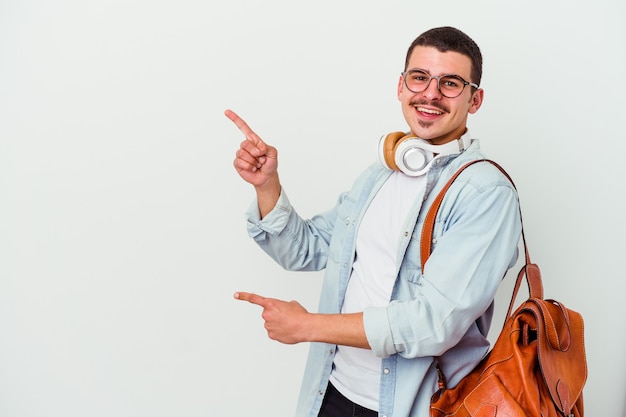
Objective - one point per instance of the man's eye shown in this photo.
(450, 83)
(418, 77)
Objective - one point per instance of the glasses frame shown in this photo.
(438, 78)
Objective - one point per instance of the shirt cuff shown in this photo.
(378, 331)
(273, 223)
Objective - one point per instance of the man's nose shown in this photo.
(432, 89)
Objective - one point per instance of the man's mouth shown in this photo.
(429, 111)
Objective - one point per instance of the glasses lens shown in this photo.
(416, 80)
(451, 86)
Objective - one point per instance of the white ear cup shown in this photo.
(413, 156)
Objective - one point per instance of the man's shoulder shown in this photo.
(478, 169)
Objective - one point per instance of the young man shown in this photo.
(382, 321)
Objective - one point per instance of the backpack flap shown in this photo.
(561, 351)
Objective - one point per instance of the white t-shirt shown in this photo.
(356, 372)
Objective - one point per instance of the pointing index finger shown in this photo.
(251, 298)
(243, 126)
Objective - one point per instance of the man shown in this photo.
(382, 321)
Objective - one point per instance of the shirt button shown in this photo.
(386, 371)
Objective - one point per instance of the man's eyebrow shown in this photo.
(418, 69)
(442, 74)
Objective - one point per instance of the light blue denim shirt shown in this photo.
(444, 312)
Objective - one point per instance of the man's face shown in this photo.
(429, 114)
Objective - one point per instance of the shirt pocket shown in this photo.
(411, 263)
(344, 229)
(411, 269)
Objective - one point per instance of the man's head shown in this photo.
(439, 85)
(446, 39)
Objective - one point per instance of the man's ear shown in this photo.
(476, 100)
(400, 86)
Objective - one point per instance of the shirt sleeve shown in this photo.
(295, 243)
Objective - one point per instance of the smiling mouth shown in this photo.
(429, 111)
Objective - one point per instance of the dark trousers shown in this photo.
(336, 405)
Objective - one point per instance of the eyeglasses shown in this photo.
(449, 85)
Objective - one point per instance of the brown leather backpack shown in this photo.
(536, 368)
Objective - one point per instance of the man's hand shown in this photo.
(257, 163)
(289, 322)
(284, 321)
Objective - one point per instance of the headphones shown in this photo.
(399, 151)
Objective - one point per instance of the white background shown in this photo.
(122, 235)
